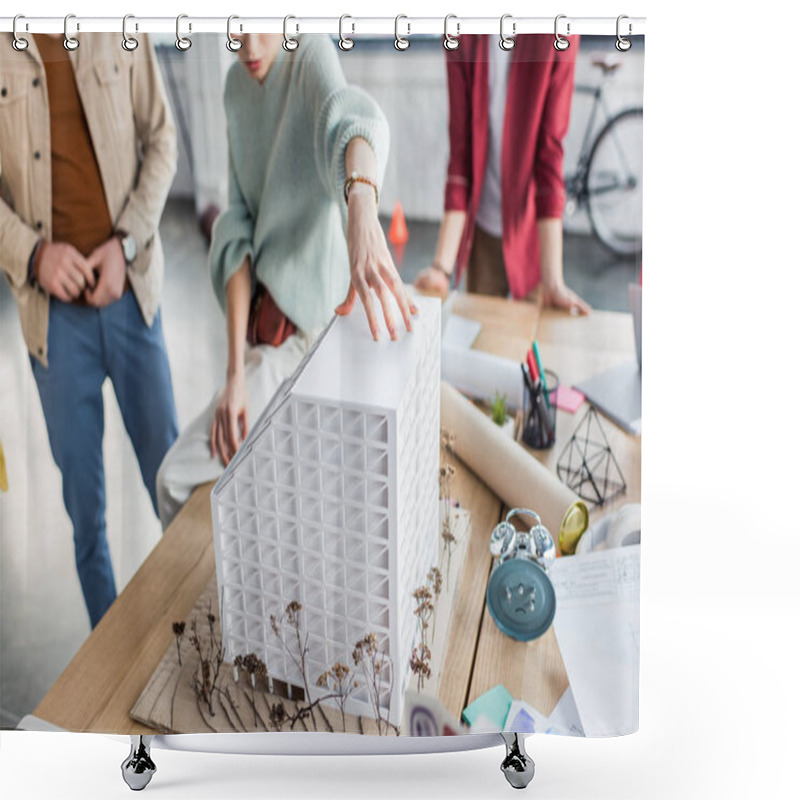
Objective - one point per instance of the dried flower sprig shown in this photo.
(420, 664)
(447, 472)
(425, 597)
(178, 629)
(291, 617)
(256, 669)
(210, 664)
(372, 660)
(341, 682)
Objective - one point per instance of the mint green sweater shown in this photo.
(286, 150)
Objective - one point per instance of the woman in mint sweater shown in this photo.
(306, 155)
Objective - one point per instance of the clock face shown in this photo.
(521, 599)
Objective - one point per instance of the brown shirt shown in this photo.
(80, 210)
(133, 135)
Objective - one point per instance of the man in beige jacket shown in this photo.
(87, 155)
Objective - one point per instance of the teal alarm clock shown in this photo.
(520, 595)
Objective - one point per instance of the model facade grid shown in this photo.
(333, 501)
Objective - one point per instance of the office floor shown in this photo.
(42, 616)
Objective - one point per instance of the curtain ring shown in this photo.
(560, 42)
(183, 43)
(129, 43)
(70, 42)
(622, 44)
(400, 42)
(345, 43)
(289, 44)
(19, 43)
(507, 42)
(451, 42)
(234, 45)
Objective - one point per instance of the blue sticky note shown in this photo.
(494, 705)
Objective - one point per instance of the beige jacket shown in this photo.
(134, 140)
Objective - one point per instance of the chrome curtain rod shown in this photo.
(371, 26)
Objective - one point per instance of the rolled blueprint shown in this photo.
(514, 475)
(481, 375)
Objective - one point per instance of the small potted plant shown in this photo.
(500, 415)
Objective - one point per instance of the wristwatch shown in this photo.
(128, 247)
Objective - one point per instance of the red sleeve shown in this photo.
(549, 163)
(459, 169)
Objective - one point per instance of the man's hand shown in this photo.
(109, 262)
(63, 271)
(229, 426)
(371, 266)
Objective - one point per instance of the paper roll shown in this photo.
(481, 375)
(514, 475)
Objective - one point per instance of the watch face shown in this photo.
(129, 248)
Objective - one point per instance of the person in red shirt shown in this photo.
(505, 195)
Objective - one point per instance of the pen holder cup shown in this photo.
(539, 414)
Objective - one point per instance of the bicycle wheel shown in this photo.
(614, 184)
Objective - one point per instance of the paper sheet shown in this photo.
(460, 332)
(597, 627)
(563, 721)
(481, 375)
(512, 473)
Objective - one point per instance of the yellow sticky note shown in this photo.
(3, 474)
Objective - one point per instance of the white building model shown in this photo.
(333, 501)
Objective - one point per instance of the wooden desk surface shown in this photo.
(104, 679)
(574, 348)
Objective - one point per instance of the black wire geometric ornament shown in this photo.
(587, 464)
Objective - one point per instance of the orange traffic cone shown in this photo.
(398, 231)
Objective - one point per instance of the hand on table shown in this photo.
(559, 295)
(108, 262)
(229, 426)
(432, 279)
(371, 266)
(63, 271)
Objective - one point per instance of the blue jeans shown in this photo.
(85, 346)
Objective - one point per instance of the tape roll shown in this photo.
(573, 526)
(621, 529)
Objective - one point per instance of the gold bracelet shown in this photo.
(356, 178)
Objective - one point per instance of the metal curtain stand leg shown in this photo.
(517, 766)
(138, 768)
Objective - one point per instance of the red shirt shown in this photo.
(538, 101)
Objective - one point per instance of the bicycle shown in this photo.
(608, 177)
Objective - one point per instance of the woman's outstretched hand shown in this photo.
(229, 426)
(371, 265)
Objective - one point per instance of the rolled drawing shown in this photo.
(514, 475)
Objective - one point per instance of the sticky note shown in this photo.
(568, 399)
(492, 705)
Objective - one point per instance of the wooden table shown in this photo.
(104, 679)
